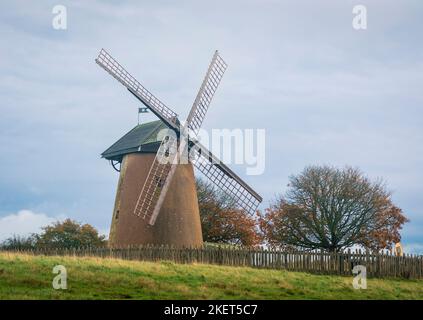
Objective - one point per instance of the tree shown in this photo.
(19, 242)
(69, 234)
(385, 231)
(221, 221)
(331, 209)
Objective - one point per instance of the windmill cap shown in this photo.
(141, 138)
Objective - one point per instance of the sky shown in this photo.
(324, 92)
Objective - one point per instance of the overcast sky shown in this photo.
(324, 92)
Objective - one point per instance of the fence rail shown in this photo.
(319, 262)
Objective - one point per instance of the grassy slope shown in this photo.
(29, 277)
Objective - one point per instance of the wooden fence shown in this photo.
(319, 262)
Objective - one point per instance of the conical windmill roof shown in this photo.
(142, 138)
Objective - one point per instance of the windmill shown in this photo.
(155, 184)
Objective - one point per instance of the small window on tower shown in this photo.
(117, 214)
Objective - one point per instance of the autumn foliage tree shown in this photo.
(221, 221)
(386, 227)
(69, 234)
(332, 209)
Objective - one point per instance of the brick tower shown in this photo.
(178, 223)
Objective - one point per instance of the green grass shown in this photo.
(30, 277)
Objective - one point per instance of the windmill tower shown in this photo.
(156, 162)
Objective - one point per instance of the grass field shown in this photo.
(30, 277)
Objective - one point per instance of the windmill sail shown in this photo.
(158, 180)
(208, 87)
(108, 63)
(225, 179)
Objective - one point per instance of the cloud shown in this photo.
(324, 92)
(24, 223)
